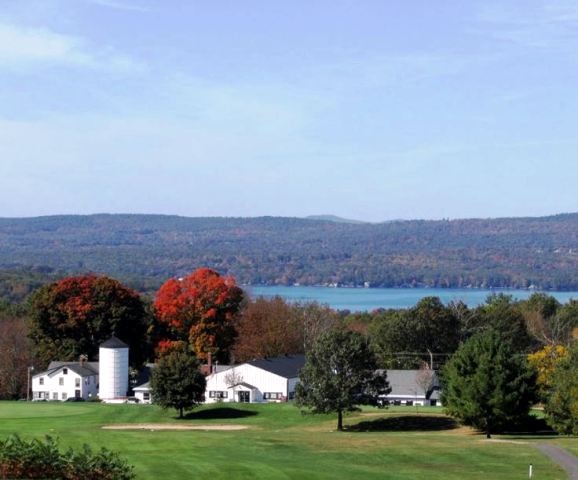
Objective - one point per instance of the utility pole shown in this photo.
(28, 386)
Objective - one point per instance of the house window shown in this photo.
(146, 396)
(61, 381)
(77, 382)
(64, 396)
(291, 395)
(218, 394)
(41, 381)
(65, 371)
(55, 396)
(272, 396)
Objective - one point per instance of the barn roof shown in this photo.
(287, 366)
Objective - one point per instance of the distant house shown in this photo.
(142, 387)
(413, 387)
(65, 380)
(264, 380)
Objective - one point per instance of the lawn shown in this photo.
(282, 443)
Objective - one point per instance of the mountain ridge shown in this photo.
(148, 248)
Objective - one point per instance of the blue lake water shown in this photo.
(359, 299)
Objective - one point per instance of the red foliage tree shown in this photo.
(199, 309)
(76, 314)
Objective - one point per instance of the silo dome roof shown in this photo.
(113, 342)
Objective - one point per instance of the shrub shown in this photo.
(42, 459)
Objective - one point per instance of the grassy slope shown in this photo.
(281, 444)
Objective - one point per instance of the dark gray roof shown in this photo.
(287, 366)
(144, 375)
(405, 383)
(113, 342)
(85, 369)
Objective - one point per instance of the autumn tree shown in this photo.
(15, 356)
(76, 314)
(544, 362)
(199, 309)
(273, 327)
(176, 381)
(561, 407)
(340, 373)
(268, 328)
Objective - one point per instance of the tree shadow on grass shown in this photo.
(219, 413)
(530, 427)
(406, 423)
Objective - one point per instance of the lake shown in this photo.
(359, 299)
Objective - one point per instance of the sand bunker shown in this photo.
(170, 426)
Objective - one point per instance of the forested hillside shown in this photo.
(147, 249)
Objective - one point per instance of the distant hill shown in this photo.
(333, 218)
(147, 249)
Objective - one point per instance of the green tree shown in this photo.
(561, 406)
(503, 315)
(487, 386)
(176, 381)
(428, 327)
(339, 374)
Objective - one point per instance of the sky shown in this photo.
(366, 109)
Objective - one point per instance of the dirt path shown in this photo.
(562, 457)
(169, 426)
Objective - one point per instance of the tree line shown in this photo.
(206, 315)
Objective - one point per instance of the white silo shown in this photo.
(113, 369)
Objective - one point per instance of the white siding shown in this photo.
(51, 385)
(264, 382)
(113, 368)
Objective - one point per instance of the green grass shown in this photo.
(282, 443)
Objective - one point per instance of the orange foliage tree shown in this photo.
(199, 309)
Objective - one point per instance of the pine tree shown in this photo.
(486, 385)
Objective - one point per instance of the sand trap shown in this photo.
(170, 426)
(503, 440)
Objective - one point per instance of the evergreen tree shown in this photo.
(487, 386)
(339, 374)
(176, 381)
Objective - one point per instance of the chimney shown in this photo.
(210, 363)
(82, 360)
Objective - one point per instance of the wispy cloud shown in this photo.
(24, 47)
(117, 5)
(542, 24)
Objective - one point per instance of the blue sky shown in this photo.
(373, 110)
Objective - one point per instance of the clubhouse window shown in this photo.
(218, 394)
(272, 396)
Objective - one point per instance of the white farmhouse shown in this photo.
(107, 379)
(66, 380)
(265, 380)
